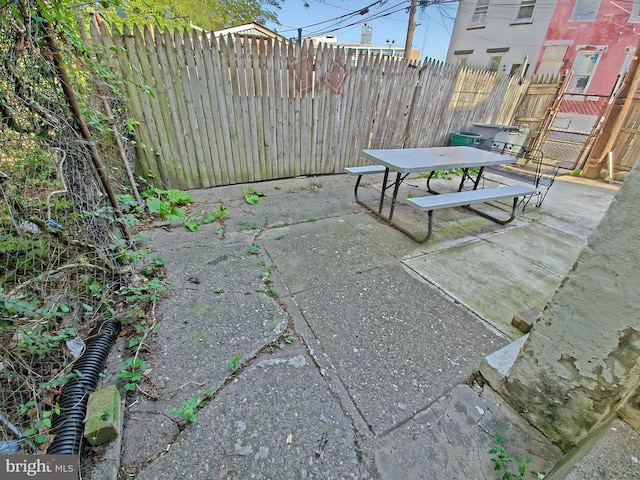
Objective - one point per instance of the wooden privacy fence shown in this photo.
(222, 111)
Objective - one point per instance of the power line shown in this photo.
(367, 19)
(360, 11)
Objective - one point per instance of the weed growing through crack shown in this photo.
(235, 362)
(502, 462)
(273, 292)
(192, 406)
(315, 185)
(188, 411)
(131, 372)
(267, 280)
(194, 220)
(244, 227)
(254, 249)
(251, 194)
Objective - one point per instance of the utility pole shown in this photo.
(410, 29)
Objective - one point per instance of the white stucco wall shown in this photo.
(500, 31)
(582, 357)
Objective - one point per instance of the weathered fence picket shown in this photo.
(219, 111)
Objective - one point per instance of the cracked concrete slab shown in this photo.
(218, 308)
(201, 334)
(395, 341)
(275, 420)
(330, 250)
(373, 382)
(453, 437)
(489, 278)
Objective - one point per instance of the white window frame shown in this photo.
(585, 11)
(479, 15)
(492, 61)
(582, 76)
(525, 5)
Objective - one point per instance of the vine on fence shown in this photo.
(68, 263)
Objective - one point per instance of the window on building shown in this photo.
(524, 13)
(585, 10)
(479, 16)
(552, 60)
(635, 12)
(462, 61)
(494, 62)
(583, 67)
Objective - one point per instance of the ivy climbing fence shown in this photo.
(62, 246)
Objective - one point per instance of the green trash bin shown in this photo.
(464, 139)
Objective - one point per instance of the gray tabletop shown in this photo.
(409, 160)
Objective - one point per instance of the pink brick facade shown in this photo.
(598, 47)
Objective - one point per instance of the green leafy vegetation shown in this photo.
(272, 292)
(189, 410)
(38, 433)
(212, 15)
(192, 405)
(131, 372)
(167, 203)
(315, 185)
(251, 194)
(70, 260)
(195, 220)
(503, 463)
(235, 362)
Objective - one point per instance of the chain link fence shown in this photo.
(62, 266)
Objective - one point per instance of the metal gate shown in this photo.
(571, 126)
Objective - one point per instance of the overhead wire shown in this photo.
(381, 14)
(350, 14)
(384, 13)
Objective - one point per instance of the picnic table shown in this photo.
(406, 161)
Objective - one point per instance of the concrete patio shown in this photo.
(360, 348)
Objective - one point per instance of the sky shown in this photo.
(342, 19)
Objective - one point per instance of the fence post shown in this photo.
(84, 130)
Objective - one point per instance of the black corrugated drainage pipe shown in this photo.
(69, 424)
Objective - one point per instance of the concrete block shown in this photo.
(104, 414)
(523, 321)
(495, 367)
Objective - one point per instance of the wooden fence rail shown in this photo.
(223, 111)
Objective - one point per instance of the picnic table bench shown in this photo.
(429, 203)
(406, 161)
